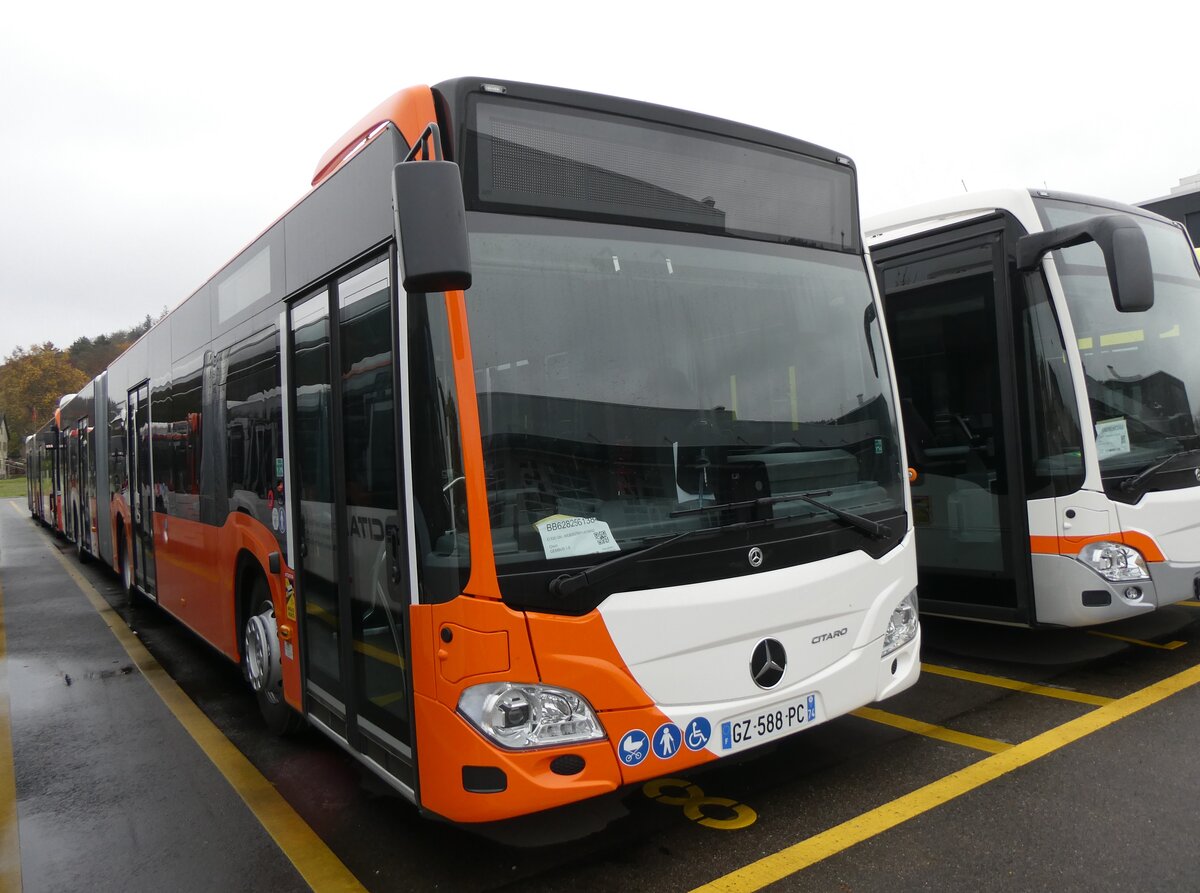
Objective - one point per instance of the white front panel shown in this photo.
(1086, 513)
(1171, 518)
(691, 645)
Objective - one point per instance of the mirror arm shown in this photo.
(1031, 248)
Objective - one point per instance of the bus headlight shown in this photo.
(1114, 562)
(902, 626)
(519, 716)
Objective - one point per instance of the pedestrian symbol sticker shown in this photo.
(697, 733)
(666, 740)
(634, 747)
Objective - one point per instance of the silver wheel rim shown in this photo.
(262, 654)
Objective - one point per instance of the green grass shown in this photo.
(12, 487)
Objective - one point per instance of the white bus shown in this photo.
(1051, 395)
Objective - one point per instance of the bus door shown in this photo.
(344, 476)
(71, 484)
(141, 487)
(58, 488)
(949, 320)
(84, 534)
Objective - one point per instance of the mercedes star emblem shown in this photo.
(755, 557)
(768, 663)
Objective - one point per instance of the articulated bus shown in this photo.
(1051, 398)
(549, 444)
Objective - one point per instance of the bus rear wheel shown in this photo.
(260, 662)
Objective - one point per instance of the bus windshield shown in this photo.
(1141, 369)
(628, 376)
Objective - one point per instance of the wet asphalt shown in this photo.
(113, 794)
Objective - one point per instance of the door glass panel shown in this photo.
(86, 487)
(313, 456)
(143, 488)
(942, 321)
(378, 605)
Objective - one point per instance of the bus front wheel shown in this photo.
(260, 662)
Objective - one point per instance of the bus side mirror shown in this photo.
(431, 226)
(1121, 241)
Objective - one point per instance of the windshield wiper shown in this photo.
(866, 525)
(1129, 485)
(566, 585)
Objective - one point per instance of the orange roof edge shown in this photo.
(410, 110)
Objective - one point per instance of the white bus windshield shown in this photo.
(1141, 369)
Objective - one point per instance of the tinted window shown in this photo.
(254, 427)
(569, 162)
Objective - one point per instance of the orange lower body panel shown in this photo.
(446, 744)
(576, 653)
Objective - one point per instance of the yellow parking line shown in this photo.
(317, 864)
(10, 839)
(1170, 646)
(990, 745)
(1190, 603)
(1014, 685)
(828, 843)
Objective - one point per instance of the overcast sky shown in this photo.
(142, 145)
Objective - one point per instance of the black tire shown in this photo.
(280, 718)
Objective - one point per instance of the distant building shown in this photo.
(3, 447)
(1182, 204)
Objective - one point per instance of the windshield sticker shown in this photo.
(564, 536)
(1112, 438)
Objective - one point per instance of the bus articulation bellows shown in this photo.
(1051, 397)
(548, 445)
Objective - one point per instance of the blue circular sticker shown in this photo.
(697, 733)
(666, 740)
(634, 747)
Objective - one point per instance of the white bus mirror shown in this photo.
(1121, 241)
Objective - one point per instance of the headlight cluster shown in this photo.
(903, 625)
(1114, 562)
(520, 716)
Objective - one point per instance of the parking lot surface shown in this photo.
(132, 757)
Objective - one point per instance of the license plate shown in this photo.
(775, 721)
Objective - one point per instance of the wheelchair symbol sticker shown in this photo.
(634, 747)
(697, 733)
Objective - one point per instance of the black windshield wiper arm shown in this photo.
(1131, 484)
(866, 525)
(566, 585)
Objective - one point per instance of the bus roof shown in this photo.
(904, 222)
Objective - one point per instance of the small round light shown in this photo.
(1133, 593)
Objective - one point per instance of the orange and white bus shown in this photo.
(549, 444)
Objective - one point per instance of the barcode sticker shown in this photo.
(564, 536)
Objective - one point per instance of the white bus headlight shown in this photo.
(902, 626)
(1114, 562)
(517, 715)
